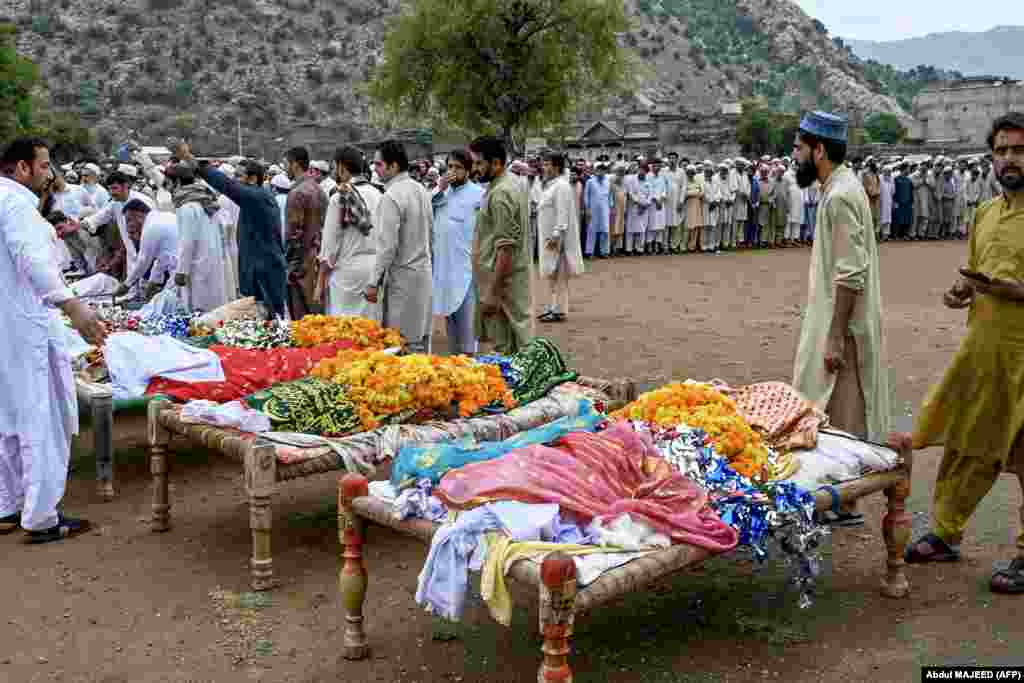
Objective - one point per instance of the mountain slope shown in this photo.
(998, 52)
(731, 49)
(152, 69)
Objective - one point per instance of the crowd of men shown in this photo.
(462, 245)
(201, 234)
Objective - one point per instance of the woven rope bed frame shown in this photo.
(555, 578)
(263, 471)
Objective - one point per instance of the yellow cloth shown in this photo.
(963, 481)
(502, 553)
(786, 465)
(977, 409)
(845, 254)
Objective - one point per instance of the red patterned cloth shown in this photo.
(786, 419)
(596, 476)
(248, 370)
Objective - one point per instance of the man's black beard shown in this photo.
(459, 183)
(806, 174)
(1014, 184)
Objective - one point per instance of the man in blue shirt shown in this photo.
(455, 209)
(597, 205)
(261, 261)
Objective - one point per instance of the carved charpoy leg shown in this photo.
(896, 529)
(557, 616)
(352, 577)
(260, 485)
(103, 444)
(159, 438)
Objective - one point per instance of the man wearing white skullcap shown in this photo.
(94, 195)
(947, 192)
(281, 185)
(741, 203)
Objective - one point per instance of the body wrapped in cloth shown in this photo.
(596, 476)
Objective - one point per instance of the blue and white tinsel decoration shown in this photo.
(759, 512)
(510, 374)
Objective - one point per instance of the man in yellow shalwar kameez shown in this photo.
(840, 360)
(977, 411)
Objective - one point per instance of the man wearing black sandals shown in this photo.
(38, 412)
(977, 411)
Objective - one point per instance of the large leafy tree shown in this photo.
(507, 65)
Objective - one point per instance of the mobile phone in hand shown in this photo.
(974, 275)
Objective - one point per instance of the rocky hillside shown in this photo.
(998, 52)
(154, 69)
(708, 51)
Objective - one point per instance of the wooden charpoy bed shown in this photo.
(264, 470)
(555, 577)
(98, 401)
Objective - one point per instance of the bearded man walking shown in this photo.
(840, 361)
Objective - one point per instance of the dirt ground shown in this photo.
(122, 605)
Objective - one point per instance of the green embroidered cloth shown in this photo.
(540, 368)
(309, 405)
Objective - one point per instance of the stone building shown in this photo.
(961, 113)
(653, 128)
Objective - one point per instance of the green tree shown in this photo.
(511, 65)
(763, 131)
(884, 127)
(18, 78)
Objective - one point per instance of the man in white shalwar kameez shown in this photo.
(201, 258)
(728, 216)
(348, 250)
(158, 247)
(38, 408)
(227, 218)
(661, 186)
(120, 193)
(558, 229)
(94, 196)
(639, 216)
(710, 233)
(741, 203)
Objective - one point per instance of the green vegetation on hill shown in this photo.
(723, 35)
(718, 28)
(904, 85)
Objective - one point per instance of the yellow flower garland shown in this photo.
(702, 407)
(314, 330)
(382, 385)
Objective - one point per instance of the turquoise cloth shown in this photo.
(432, 461)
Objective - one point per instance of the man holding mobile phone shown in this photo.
(977, 411)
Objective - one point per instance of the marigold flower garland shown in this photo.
(382, 385)
(701, 407)
(314, 330)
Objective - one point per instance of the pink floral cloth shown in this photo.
(596, 476)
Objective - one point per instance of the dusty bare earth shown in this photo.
(123, 605)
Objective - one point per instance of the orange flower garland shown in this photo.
(314, 330)
(699, 406)
(382, 385)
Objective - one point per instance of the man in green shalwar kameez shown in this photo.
(840, 361)
(502, 268)
(977, 411)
